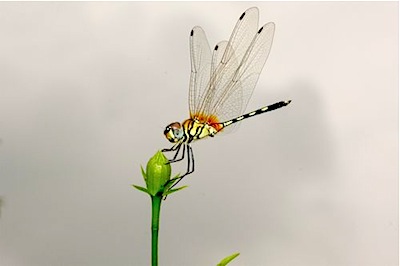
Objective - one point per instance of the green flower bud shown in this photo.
(158, 173)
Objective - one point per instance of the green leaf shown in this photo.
(228, 259)
(141, 189)
(143, 173)
(172, 181)
(176, 177)
(170, 191)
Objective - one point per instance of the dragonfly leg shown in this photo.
(173, 148)
(173, 160)
(176, 148)
(190, 159)
(176, 154)
(190, 165)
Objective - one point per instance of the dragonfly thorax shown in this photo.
(190, 130)
(194, 129)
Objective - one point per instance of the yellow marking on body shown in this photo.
(239, 118)
(228, 123)
(252, 113)
(198, 130)
(264, 108)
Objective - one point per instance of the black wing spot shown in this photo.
(216, 47)
(260, 30)
(191, 33)
(241, 17)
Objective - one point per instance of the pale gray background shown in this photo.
(87, 88)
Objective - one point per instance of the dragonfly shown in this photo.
(221, 84)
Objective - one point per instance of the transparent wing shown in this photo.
(200, 57)
(235, 68)
(209, 91)
(231, 99)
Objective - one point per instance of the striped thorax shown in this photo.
(190, 130)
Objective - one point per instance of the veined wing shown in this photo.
(235, 68)
(209, 91)
(232, 98)
(226, 61)
(200, 58)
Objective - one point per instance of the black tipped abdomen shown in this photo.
(257, 112)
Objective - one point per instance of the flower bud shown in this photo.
(158, 173)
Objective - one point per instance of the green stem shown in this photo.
(155, 221)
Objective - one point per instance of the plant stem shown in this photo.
(155, 221)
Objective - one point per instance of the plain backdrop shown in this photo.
(86, 90)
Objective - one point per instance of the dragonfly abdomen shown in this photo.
(256, 112)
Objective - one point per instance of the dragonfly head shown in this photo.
(174, 132)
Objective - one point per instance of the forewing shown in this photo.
(242, 35)
(217, 74)
(200, 57)
(234, 97)
(225, 67)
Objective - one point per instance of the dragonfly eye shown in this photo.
(174, 132)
